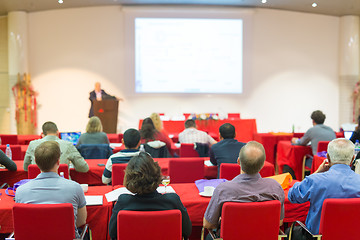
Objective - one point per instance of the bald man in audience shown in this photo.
(333, 179)
(68, 151)
(246, 187)
(49, 188)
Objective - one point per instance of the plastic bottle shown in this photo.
(142, 149)
(357, 148)
(8, 152)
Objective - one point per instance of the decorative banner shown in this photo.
(25, 105)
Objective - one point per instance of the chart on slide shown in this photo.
(178, 55)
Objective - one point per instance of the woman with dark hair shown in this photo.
(142, 177)
(149, 134)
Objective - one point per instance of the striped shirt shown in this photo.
(120, 157)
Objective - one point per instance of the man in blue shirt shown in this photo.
(333, 179)
(227, 150)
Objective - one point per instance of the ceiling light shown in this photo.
(60, 1)
(263, 1)
(314, 5)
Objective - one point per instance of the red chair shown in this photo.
(9, 139)
(262, 221)
(34, 170)
(42, 221)
(335, 217)
(322, 146)
(118, 173)
(229, 170)
(15, 151)
(187, 150)
(186, 170)
(150, 225)
(233, 115)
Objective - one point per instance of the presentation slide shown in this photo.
(180, 55)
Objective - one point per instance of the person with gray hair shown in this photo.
(248, 186)
(333, 179)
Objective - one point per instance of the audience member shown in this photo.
(131, 141)
(319, 132)
(192, 135)
(227, 150)
(142, 177)
(94, 133)
(152, 137)
(7, 162)
(246, 187)
(68, 151)
(333, 179)
(49, 188)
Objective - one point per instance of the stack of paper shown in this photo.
(94, 200)
(114, 195)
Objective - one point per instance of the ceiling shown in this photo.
(327, 7)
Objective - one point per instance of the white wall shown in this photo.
(294, 70)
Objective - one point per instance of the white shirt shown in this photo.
(192, 135)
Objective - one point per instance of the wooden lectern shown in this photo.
(107, 111)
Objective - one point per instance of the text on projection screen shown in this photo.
(175, 55)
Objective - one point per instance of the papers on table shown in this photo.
(113, 195)
(208, 163)
(115, 145)
(94, 200)
(169, 189)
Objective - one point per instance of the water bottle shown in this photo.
(142, 149)
(8, 151)
(357, 148)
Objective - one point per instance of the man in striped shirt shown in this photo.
(192, 135)
(131, 140)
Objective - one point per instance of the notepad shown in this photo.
(114, 195)
(94, 200)
(208, 163)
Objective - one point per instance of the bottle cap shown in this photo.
(7, 145)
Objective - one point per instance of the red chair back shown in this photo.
(262, 220)
(15, 151)
(9, 139)
(34, 170)
(187, 150)
(229, 170)
(44, 221)
(322, 146)
(150, 225)
(186, 170)
(234, 115)
(335, 218)
(298, 135)
(118, 173)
